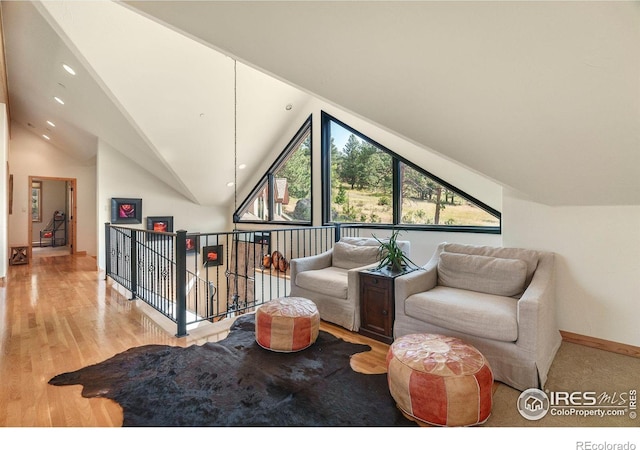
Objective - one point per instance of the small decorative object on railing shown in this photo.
(283, 264)
(275, 259)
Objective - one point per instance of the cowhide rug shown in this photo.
(236, 382)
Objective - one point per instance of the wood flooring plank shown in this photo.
(58, 314)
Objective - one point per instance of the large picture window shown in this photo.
(283, 195)
(364, 182)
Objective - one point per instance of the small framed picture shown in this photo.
(160, 223)
(212, 255)
(193, 243)
(126, 210)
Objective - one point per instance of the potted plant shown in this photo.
(391, 255)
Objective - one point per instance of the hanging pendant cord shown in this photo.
(235, 139)
(235, 180)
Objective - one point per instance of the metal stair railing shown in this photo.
(184, 284)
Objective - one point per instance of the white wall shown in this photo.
(4, 207)
(424, 243)
(597, 262)
(30, 155)
(118, 176)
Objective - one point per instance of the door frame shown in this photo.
(72, 213)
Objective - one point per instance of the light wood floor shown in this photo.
(57, 315)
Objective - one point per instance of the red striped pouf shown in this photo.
(440, 380)
(287, 324)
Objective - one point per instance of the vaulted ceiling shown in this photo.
(175, 106)
(542, 97)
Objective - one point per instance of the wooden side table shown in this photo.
(377, 303)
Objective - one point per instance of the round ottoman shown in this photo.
(287, 324)
(439, 380)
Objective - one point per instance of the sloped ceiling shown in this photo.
(543, 97)
(171, 104)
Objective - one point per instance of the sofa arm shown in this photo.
(537, 327)
(420, 280)
(315, 262)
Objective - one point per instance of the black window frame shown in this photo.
(268, 178)
(326, 120)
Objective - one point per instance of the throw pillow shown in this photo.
(347, 256)
(497, 276)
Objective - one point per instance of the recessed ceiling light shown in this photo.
(242, 166)
(46, 137)
(288, 107)
(59, 100)
(69, 69)
(230, 183)
(51, 123)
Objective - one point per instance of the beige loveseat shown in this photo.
(500, 300)
(331, 279)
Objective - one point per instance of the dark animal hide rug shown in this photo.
(235, 382)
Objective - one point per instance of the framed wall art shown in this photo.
(212, 255)
(126, 210)
(160, 223)
(193, 243)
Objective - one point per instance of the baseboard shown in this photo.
(602, 344)
(81, 253)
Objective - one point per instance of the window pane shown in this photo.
(36, 201)
(292, 185)
(361, 179)
(258, 208)
(426, 202)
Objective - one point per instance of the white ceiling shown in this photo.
(166, 101)
(542, 97)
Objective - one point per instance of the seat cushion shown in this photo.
(498, 276)
(476, 313)
(331, 281)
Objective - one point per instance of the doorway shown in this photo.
(52, 222)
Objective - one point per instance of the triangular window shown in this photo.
(283, 195)
(366, 183)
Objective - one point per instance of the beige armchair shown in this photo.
(500, 300)
(331, 279)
